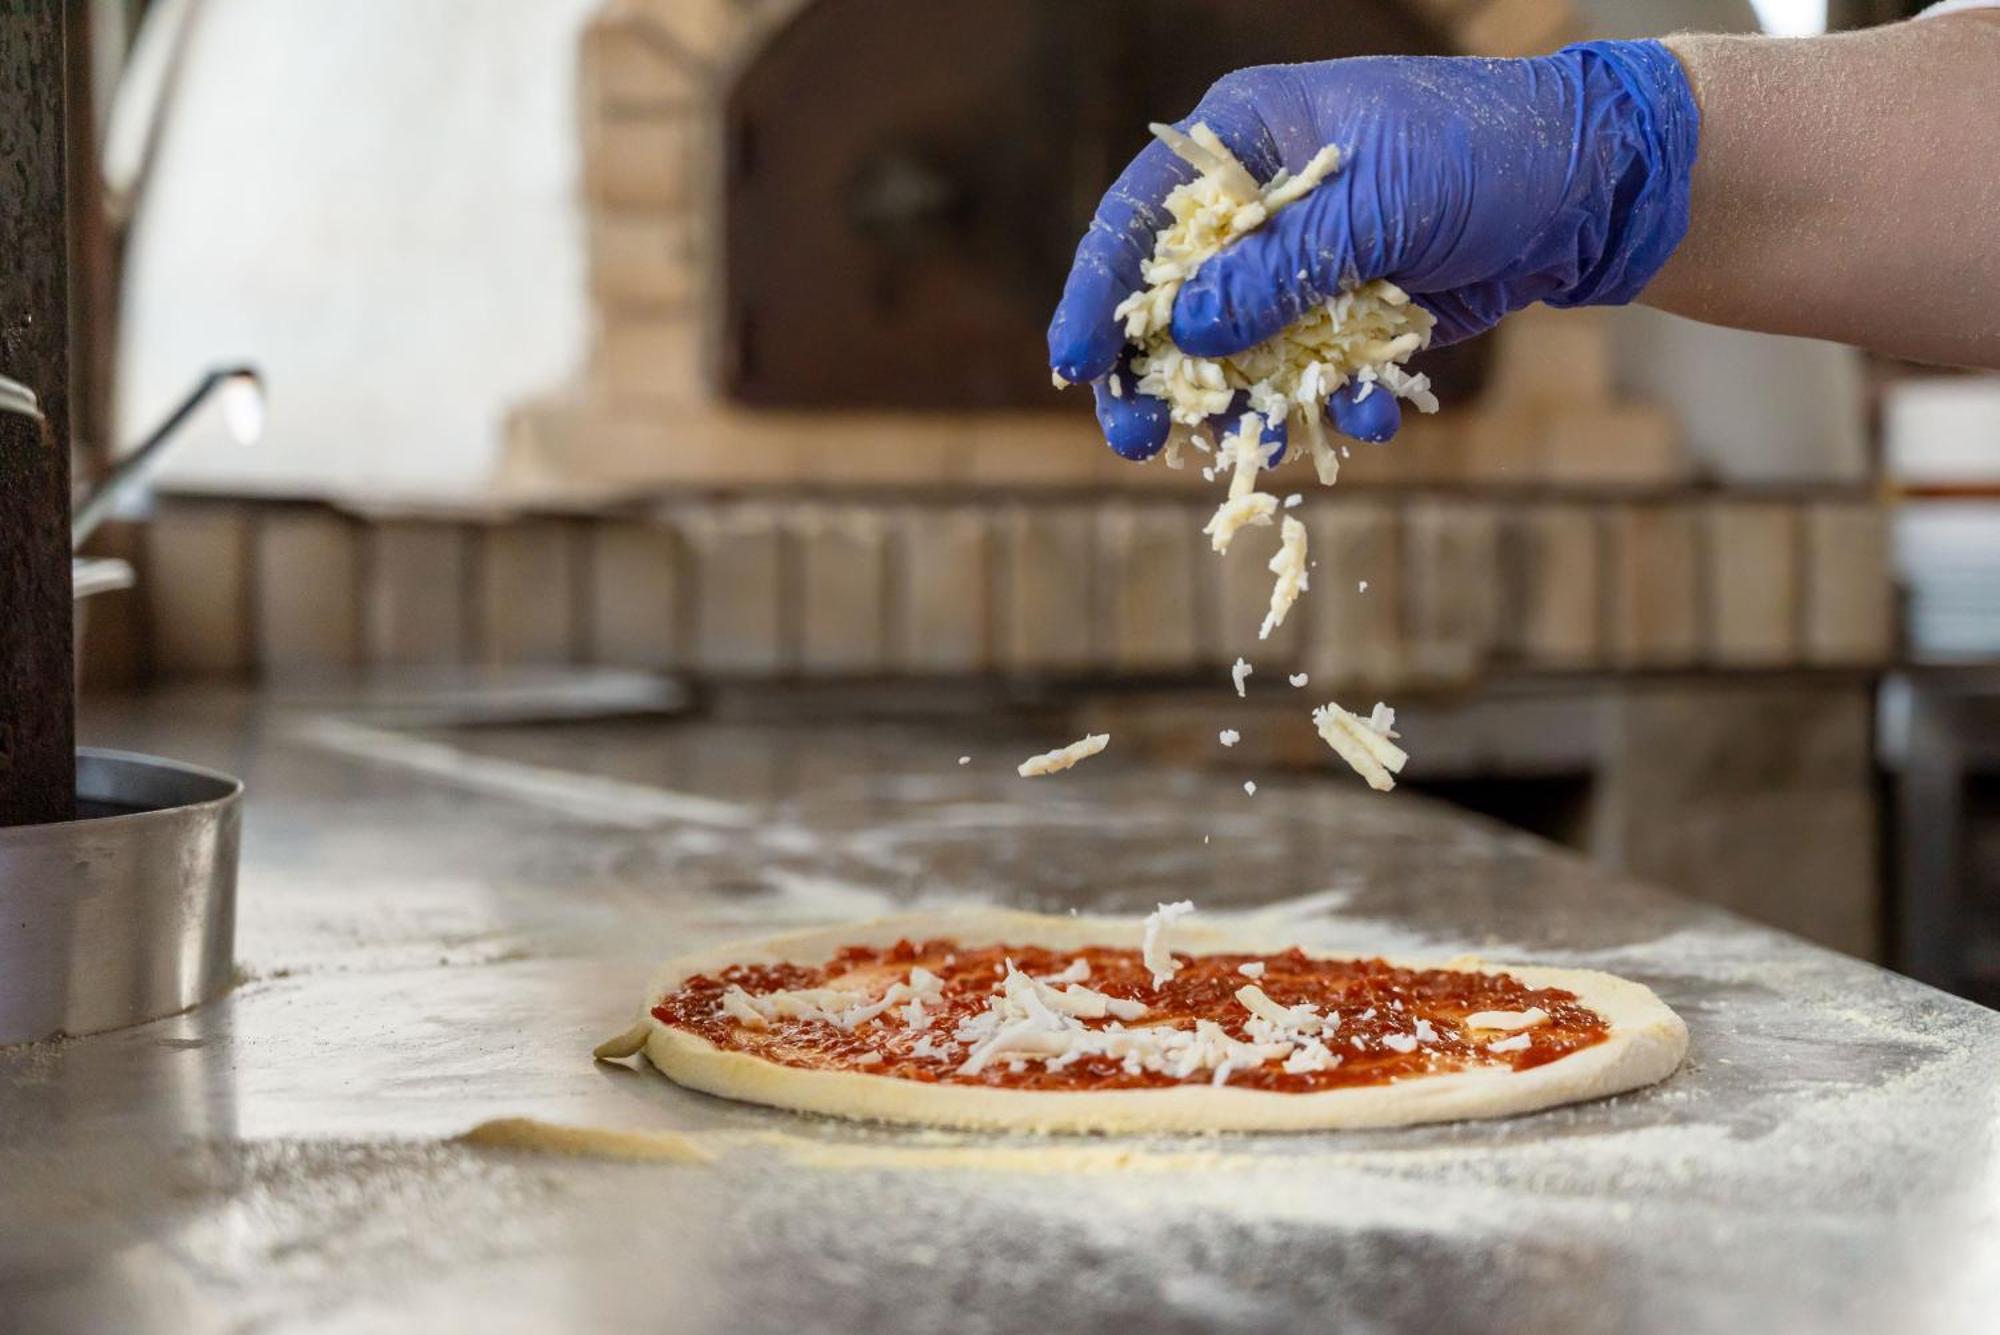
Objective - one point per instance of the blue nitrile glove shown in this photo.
(1478, 186)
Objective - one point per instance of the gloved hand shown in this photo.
(1478, 186)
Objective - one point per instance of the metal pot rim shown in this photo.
(218, 790)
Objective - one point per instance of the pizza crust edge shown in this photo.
(1646, 1043)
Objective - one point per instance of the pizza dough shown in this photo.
(1645, 1042)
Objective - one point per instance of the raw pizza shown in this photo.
(1018, 1021)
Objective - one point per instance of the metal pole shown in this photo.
(37, 676)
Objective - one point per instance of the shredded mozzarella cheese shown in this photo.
(1289, 565)
(1507, 1021)
(1246, 507)
(1078, 971)
(1153, 945)
(1362, 334)
(1300, 1018)
(1357, 741)
(1062, 758)
(845, 1008)
(1309, 1056)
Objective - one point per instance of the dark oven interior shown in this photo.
(904, 180)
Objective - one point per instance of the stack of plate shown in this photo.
(1942, 439)
(1948, 560)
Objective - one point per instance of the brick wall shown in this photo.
(1043, 585)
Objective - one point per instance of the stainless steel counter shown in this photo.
(436, 924)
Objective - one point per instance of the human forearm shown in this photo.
(1848, 188)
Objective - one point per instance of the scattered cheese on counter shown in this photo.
(1229, 737)
(1239, 672)
(1361, 744)
(1298, 679)
(1054, 762)
(1250, 787)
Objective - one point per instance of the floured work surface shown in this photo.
(435, 936)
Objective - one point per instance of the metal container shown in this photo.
(126, 914)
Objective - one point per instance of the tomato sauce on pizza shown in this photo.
(1104, 1018)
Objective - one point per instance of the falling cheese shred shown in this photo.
(1289, 565)
(1153, 943)
(1239, 672)
(1363, 743)
(1064, 757)
(1246, 507)
(1360, 338)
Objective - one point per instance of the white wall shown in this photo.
(1754, 407)
(375, 201)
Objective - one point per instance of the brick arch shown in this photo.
(720, 34)
(704, 53)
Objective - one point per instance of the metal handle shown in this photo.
(17, 398)
(96, 507)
